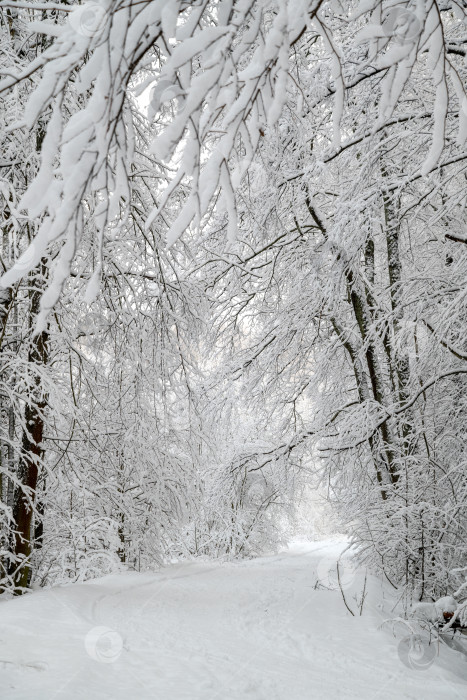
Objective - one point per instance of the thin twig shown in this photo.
(342, 592)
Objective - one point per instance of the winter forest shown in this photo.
(233, 302)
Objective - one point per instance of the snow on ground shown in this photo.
(252, 630)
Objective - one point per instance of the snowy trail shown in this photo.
(255, 630)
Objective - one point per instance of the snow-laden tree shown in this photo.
(304, 161)
(347, 278)
(26, 378)
(127, 469)
(225, 66)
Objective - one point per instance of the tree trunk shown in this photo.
(31, 449)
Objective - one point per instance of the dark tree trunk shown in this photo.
(31, 449)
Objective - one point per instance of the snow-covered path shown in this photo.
(254, 630)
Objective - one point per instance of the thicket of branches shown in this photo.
(240, 240)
